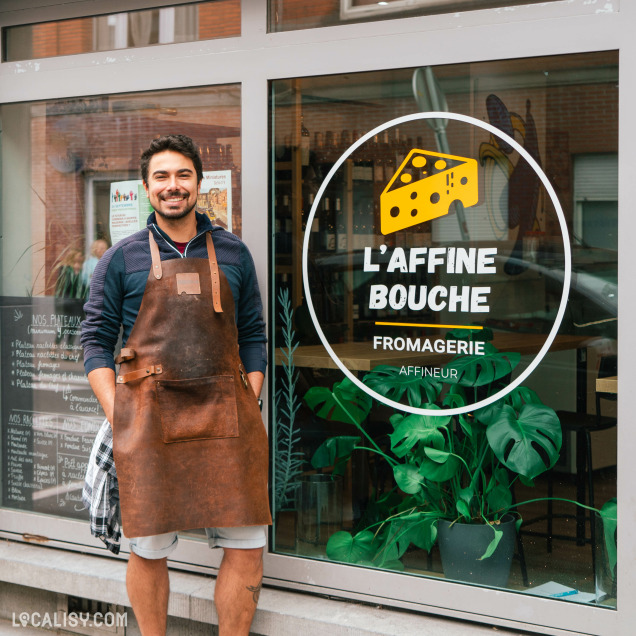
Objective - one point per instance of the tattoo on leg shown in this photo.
(255, 590)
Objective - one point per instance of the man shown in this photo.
(190, 448)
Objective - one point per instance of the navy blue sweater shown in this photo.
(119, 280)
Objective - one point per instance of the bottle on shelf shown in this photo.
(345, 142)
(319, 154)
(286, 222)
(329, 225)
(314, 232)
(305, 139)
(278, 225)
(388, 157)
(378, 161)
(401, 148)
(329, 154)
(362, 163)
(341, 228)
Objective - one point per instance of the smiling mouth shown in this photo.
(174, 198)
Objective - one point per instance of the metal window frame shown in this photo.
(349, 10)
(255, 58)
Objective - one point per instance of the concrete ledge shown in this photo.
(280, 613)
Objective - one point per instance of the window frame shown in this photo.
(255, 58)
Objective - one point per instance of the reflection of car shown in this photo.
(531, 305)
(592, 306)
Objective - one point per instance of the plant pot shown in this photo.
(461, 545)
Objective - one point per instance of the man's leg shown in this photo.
(148, 589)
(238, 586)
(147, 581)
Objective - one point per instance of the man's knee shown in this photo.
(141, 566)
(244, 558)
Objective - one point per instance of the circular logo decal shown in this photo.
(424, 186)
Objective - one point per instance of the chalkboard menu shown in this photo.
(49, 413)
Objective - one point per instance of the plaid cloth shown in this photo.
(101, 490)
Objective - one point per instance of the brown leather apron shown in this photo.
(189, 444)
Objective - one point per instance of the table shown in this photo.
(607, 385)
(360, 356)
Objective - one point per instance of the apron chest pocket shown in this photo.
(198, 408)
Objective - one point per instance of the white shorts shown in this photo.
(159, 546)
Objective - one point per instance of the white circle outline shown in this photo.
(566, 278)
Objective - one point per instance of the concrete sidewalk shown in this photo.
(33, 577)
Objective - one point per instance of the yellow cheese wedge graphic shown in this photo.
(424, 186)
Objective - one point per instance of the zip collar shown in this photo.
(203, 225)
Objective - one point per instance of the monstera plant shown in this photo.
(459, 468)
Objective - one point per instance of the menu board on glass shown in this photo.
(49, 412)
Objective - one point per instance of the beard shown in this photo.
(175, 214)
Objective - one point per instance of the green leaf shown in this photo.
(335, 451)
(456, 398)
(391, 383)
(344, 547)
(434, 471)
(437, 455)
(463, 508)
(484, 369)
(324, 403)
(387, 551)
(464, 501)
(407, 478)
(417, 528)
(420, 530)
(522, 395)
(490, 413)
(411, 429)
(392, 565)
(526, 481)
(492, 546)
(499, 500)
(609, 517)
(516, 441)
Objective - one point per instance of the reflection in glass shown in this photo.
(71, 187)
(443, 307)
(288, 15)
(133, 29)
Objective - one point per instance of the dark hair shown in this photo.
(177, 143)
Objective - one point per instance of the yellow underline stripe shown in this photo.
(419, 324)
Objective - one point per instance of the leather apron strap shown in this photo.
(214, 272)
(214, 268)
(156, 259)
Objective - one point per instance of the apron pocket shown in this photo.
(199, 408)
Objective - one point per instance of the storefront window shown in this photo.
(444, 315)
(289, 15)
(71, 188)
(133, 29)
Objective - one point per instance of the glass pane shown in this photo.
(70, 188)
(289, 15)
(431, 366)
(184, 23)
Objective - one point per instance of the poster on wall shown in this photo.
(129, 209)
(130, 206)
(215, 197)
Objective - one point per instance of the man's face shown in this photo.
(172, 184)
